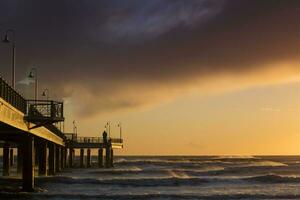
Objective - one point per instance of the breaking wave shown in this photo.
(146, 196)
(175, 179)
(271, 178)
(134, 182)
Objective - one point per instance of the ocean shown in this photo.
(174, 177)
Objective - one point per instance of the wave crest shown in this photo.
(272, 178)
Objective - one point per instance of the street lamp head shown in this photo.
(31, 74)
(6, 39)
(45, 92)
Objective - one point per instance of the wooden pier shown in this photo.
(29, 127)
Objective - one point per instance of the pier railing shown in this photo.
(72, 137)
(89, 140)
(11, 96)
(44, 111)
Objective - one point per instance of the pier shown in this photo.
(29, 129)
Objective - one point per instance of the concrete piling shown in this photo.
(88, 158)
(62, 158)
(74, 155)
(52, 158)
(42, 157)
(11, 157)
(71, 156)
(36, 155)
(58, 158)
(65, 157)
(100, 157)
(81, 158)
(6, 161)
(111, 157)
(19, 159)
(107, 157)
(28, 163)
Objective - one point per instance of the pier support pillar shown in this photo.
(81, 158)
(58, 158)
(19, 159)
(36, 155)
(71, 157)
(42, 157)
(6, 164)
(111, 157)
(107, 157)
(65, 157)
(88, 158)
(73, 154)
(28, 163)
(52, 159)
(11, 157)
(100, 157)
(62, 157)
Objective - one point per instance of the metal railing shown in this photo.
(12, 96)
(45, 109)
(89, 140)
(73, 138)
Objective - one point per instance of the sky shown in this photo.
(197, 77)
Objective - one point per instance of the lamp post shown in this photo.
(33, 74)
(120, 126)
(13, 42)
(107, 128)
(46, 93)
(74, 128)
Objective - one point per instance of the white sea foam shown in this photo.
(265, 163)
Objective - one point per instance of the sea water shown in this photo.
(175, 177)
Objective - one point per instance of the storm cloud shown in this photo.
(129, 54)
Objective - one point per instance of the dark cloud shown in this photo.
(123, 54)
(145, 20)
